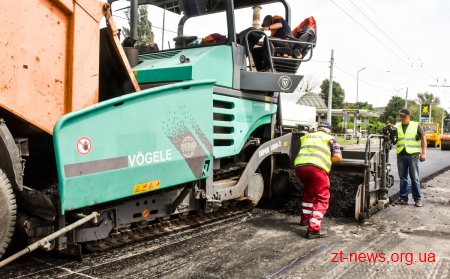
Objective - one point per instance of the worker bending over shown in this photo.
(278, 27)
(318, 151)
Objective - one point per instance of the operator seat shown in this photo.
(305, 32)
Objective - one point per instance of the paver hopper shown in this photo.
(373, 167)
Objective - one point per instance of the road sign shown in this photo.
(425, 113)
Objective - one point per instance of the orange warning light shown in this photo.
(145, 213)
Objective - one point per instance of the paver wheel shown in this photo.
(7, 212)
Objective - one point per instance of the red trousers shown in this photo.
(316, 195)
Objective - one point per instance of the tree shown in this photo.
(415, 110)
(374, 124)
(428, 98)
(337, 101)
(145, 33)
(309, 83)
(362, 105)
(394, 105)
(338, 94)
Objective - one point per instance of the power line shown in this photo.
(383, 21)
(378, 27)
(365, 82)
(380, 88)
(376, 38)
(370, 33)
(379, 17)
(404, 50)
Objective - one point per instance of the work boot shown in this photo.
(304, 223)
(401, 201)
(312, 235)
(298, 54)
(418, 203)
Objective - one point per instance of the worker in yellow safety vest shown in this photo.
(318, 151)
(411, 147)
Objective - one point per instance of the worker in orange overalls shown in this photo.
(214, 38)
(318, 151)
(306, 32)
(308, 25)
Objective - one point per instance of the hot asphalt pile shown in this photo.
(342, 200)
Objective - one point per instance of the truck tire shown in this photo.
(7, 212)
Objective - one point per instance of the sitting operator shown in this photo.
(280, 29)
(305, 32)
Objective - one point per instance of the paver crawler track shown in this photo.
(164, 227)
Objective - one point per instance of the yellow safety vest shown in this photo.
(408, 140)
(315, 150)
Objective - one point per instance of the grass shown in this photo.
(342, 141)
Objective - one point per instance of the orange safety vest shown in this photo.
(308, 22)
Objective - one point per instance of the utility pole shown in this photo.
(406, 99)
(357, 83)
(330, 88)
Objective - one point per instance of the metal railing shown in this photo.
(265, 41)
(291, 41)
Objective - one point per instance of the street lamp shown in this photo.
(357, 82)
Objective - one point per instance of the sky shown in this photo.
(401, 44)
(407, 47)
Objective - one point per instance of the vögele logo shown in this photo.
(188, 147)
(284, 82)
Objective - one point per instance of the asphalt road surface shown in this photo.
(436, 162)
(411, 243)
